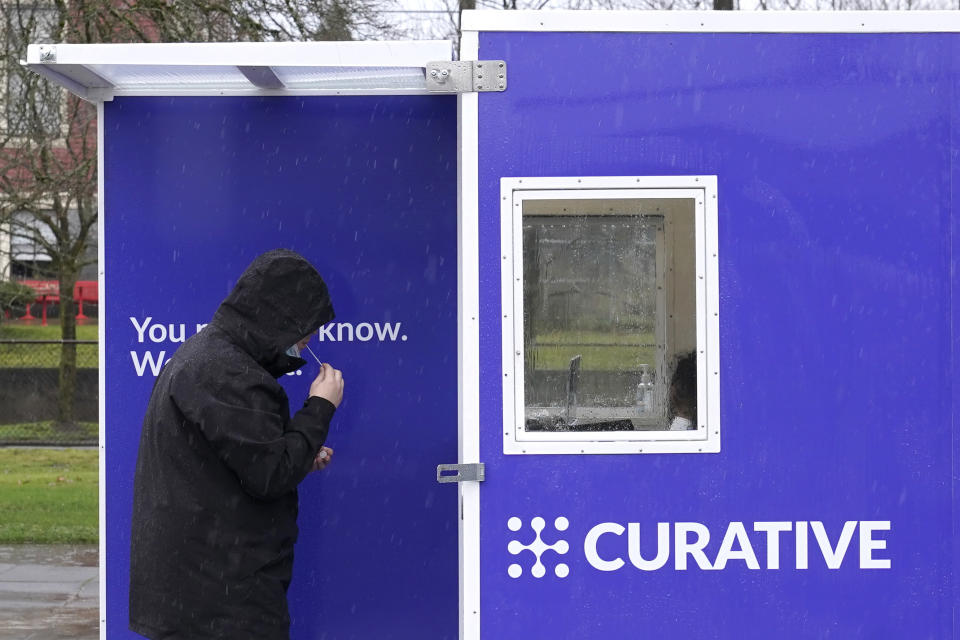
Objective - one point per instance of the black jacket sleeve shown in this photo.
(246, 425)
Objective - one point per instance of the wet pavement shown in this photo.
(49, 592)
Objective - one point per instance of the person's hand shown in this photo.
(328, 384)
(322, 459)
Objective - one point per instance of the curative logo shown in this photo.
(783, 545)
(538, 547)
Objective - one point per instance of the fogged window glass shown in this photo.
(592, 313)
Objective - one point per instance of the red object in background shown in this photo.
(43, 287)
(85, 291)
(49, 291)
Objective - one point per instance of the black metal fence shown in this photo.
(30, 393)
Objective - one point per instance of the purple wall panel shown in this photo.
(834, 155)
(365, 188)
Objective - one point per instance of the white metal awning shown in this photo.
(101, 71)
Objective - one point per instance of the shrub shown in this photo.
(14, 297)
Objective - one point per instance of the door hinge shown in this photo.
(466, 76)
(474, 472)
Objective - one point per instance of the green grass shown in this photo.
(10, 331)
(607, 351)
(32, 432)
(44, 355)
(48, 496)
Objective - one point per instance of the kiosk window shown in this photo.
(603, 335)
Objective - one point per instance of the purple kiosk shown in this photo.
(667, 298)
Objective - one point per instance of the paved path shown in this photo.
(49, 592)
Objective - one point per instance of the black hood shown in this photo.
(278, 300)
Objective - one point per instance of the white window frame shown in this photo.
(703, 190)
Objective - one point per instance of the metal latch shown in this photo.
(460, 472)
(467, 76)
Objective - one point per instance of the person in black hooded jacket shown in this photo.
(215, 490)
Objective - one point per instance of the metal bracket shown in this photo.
(474, 472)
(48, 53)
(467, 76)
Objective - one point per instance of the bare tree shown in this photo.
(248, 20)
(48, 173)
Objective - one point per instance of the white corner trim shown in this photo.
(469, 348)
(101, 375)
(714, 21)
